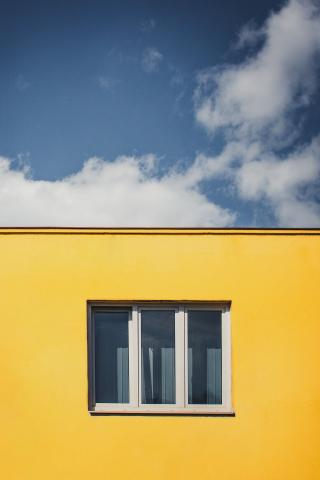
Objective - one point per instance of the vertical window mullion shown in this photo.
(186, 365)
(180, 360)
(226, 359)
(139, 386)
(134, 358)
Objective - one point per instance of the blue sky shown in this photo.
(160, 113)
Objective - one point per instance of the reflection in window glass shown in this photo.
(158, 356)
(204, 357)
(111, 356)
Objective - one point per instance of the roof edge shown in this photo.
(159, 230)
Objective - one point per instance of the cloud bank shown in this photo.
(125, 192)
(255, 104)
(256, 96)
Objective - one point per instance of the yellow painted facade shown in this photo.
(272, 279)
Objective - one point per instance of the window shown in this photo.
(159, 358)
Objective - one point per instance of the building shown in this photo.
(160, 354)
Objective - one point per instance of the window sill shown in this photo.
(222, 412)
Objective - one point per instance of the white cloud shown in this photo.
(207, 167)
(151, 60)
(126, 192)
(281, 181)
(255, 103)
(249, 35)
(256, 96)
(274, 177)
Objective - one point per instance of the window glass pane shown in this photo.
(204, 357)
(158, 356)
(111, 356)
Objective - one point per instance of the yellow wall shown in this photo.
(273, 282)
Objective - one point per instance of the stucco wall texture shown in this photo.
(272, 279)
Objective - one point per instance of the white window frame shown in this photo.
(181, 360)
